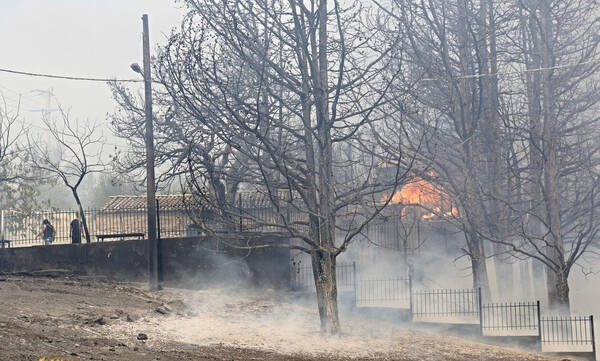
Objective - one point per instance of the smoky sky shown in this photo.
(97, 38)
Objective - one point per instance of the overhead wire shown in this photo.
(69, 77)
(468, 76)
(517, 72)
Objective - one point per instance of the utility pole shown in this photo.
(150, 185)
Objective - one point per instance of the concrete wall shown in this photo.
(188, 262)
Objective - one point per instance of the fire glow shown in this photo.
(433, 201)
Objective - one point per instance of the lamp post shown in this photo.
(153, 279)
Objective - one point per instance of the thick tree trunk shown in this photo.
(558, 290)
(86, 232)
(558, 293)
(330, 322)
(323, 264)
(478, 264)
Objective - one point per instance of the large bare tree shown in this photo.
(513, 139)
(450, 62)
(284, 93)
(554, 147)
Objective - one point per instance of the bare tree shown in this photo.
(287, 88)
(73, 150)
(11, 130)
(181, 141)
(18, 181)
(515, 149)
(450, 62)
(554, 216)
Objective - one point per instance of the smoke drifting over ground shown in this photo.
(279, 322)
(213, 323)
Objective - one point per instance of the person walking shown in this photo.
(47, 232)
(75, 232)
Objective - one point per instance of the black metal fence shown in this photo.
(256, 214)
(394, 293)
(568, 334)
(23, 229)
(302, 276)
(510, 319)
(447, 305)
(561, 334)
(394, 231)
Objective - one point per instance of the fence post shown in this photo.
(355, 281)
(593, 337)
(480, 304)
(159, 243)
(539, 316)
(410, 295)
(157, 219)
(240, 209)
(2, 227)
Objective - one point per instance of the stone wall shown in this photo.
(188, 262)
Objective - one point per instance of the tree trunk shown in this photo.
(488, 66)
(463, 104)
(480, 275)
(558, 293)
(324, 259)
(82, 215)
(324, 264)
(531, 44)
(558, 290)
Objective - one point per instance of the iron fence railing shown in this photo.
(255, 213)
(22, 229)
(383, 293)
(510, 319)
(393, 232)
(258, 212)
(568, 334)
(447, 305)
(302, 276)
(556, 334)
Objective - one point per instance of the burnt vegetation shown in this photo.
(480, 114)
(326, 110)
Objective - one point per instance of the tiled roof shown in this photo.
(165, 201)
(251, 198)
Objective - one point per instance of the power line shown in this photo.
(471, 76)
(67, 77)
(519, 72)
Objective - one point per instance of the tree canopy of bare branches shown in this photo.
(72, 150)
(508, 92)
(279, 100)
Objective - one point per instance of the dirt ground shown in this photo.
(75, 318)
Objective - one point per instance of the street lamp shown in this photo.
(136, 67)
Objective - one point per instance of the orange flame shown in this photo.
(422, 192)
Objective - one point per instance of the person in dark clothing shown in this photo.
(75, 232)
(47, 232)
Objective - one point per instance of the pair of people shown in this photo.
(48, 232)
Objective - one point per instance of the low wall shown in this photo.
(188, 262)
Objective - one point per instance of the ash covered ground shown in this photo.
(76, 318)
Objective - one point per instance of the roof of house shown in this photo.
(165, 201)
(251, 198)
